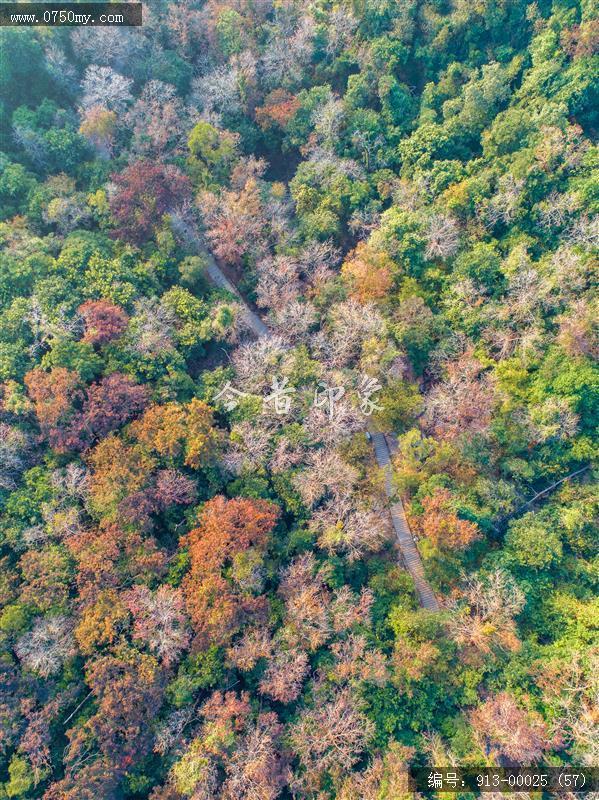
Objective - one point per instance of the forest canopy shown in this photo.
(202, 593)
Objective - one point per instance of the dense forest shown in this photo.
(201, 593)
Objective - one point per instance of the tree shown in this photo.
(368, 273)
(108, 556)
(104, 321)
(105, 407)
(45, 648)
(145, 192)
(37, 739)
(226, 529)
(118, 471)
(462, 403)
(96, 779)
(128, 690)
(110, 403)
(103, 621)
(175, 431)
(278, 109)
(355, 662)
(212, 152)
(234, 222)
(330, 737)
(509, 730)
(47, 576)
(160, 621)
(53, 394)
(533, 541)
(441, 524)
(98, 126)
(104, 87)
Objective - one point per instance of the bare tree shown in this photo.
(256, 769)
(47, 646)
(218, 92)
(60, 68)
(442, 237)
(463, 402)
(350, 324)
(104, 87)
(152, 328)
(255, 362)
(294, 320)
(287, 52)
(505, 203)
(510, 730)
(170, 732)
(15, 447)
(556, 209)
(285, 674)
(248, 447)
(578, 330)
(328, 118)
(585, 232)
(160, 621)
(340, 28)
(485, 614)
(355, 662)
(331, 426)
(307, 622)
(331, 736)
(350, 530)
(159, 121)
(278, 282)
(349, 609)
(286, 455)
(326, 473)
(571, 684)
(254, 644)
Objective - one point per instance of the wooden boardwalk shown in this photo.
(383, 444)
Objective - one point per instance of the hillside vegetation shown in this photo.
(201, 594)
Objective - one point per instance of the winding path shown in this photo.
(383, 444)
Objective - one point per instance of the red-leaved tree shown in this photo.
(145, 193)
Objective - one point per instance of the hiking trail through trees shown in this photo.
(384, 445)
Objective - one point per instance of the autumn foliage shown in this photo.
(73, 418)
(368, 273)
(104, 321)
(227, 529)
(278, 108)
(248, 250)
(145, 193)
(441, 524)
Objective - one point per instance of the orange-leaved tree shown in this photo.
(226, 530)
